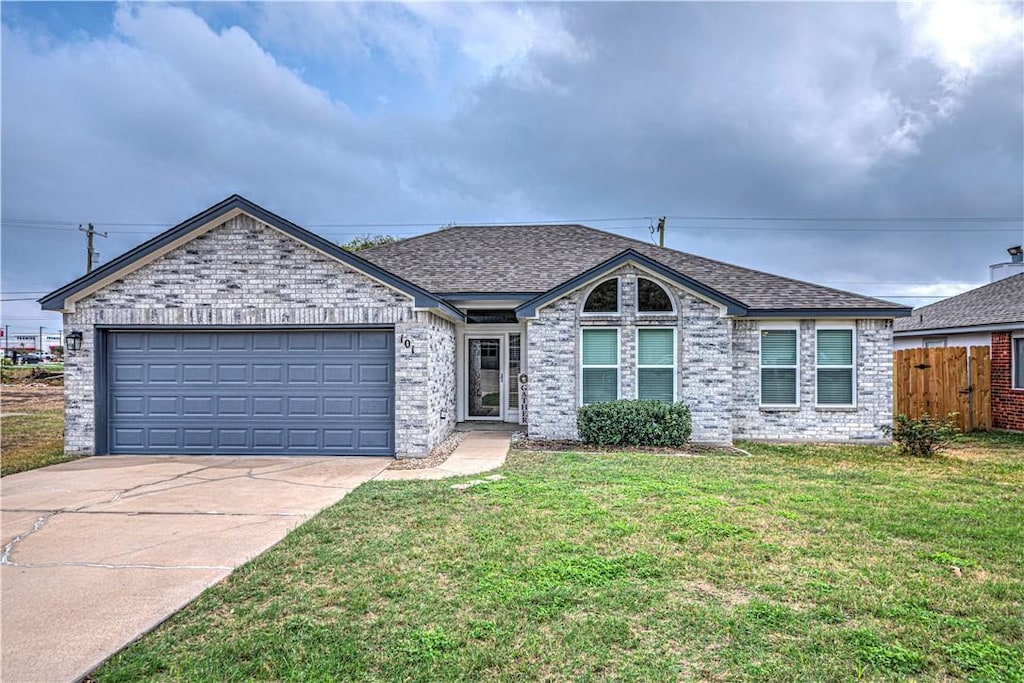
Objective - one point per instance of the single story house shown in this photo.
(239, 332)
(993, 316)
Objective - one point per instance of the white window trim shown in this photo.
(618, 299)
(852, 367)
(675, 355)
(655, 314)
(778, 326)
(617, 366)
(1014, 359)
(924, 342)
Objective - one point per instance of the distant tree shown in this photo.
(368, 242)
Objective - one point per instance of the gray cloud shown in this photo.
(577, 110)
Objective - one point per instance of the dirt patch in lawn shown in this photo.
(30, 397)
(32, 434)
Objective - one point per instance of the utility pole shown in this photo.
(661, 231)
(91, 254)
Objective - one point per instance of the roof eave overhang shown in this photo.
(58, 300)
(966, 329)
(731, 306)
(859, 313)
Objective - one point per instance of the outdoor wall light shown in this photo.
(73, 341)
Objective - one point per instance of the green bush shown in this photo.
(634, 423)
(922, 437)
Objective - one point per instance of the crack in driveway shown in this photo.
(9, 548)
(101, 565)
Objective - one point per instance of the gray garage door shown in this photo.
(271, 392)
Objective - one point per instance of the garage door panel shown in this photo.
(164, 438)
(163, 405)
(129, 373)
(338, 374)
(338, 406)
(249, 392)
(268, 341)
(374, 438)
(232, 342)
(234, 373)
(163, 341)
(233, 438)
(267, 374)
(303, 406)
(264, 406)
(379, 373)
(233, 406)
(268, 438)
(129, 437)
(198, 341)
(374, 406)
(302, 374)
(164, 373)
(129, 405)
(304, 341)
(339, 438)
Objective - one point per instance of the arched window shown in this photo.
(652, 297)
(604, 298)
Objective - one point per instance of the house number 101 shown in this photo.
(407, 343)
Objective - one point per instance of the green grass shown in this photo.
(31, 439)
(799, 563)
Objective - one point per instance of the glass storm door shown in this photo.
(484, 378)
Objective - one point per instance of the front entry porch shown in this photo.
(490, 374)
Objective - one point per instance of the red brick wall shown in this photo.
(1007, 403)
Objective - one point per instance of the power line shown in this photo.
(861, 219)
(692, 228)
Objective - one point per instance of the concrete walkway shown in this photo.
(98, 551)
(478, 452)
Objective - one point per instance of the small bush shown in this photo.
(634, 423)
(922, 437)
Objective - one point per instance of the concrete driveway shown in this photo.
(98, 551)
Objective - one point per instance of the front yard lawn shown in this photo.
(31, 427)
(799, 563)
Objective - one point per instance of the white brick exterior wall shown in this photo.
(703, 366)
(717, 371)
(245, 274)
(808, 423)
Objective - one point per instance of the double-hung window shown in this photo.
(599, 369)
(835, 370)
(656, 364)
(779, 364)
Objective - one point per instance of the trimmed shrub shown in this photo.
(922, 437)
(634, 423)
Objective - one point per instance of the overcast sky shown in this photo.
(342, 117)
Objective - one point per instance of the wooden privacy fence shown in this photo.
(942, 381)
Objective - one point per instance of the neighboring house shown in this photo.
(992, 315)
(240, 332)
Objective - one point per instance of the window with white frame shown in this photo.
(779, 367)
(599, 366)
(835, 371)
(1018, 362)
(935, 343)
(656, 364)
(603, 299)
(652, 297)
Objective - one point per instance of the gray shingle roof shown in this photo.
(1001, 302)
(536, 258)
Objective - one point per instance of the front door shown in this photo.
(485, 378)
